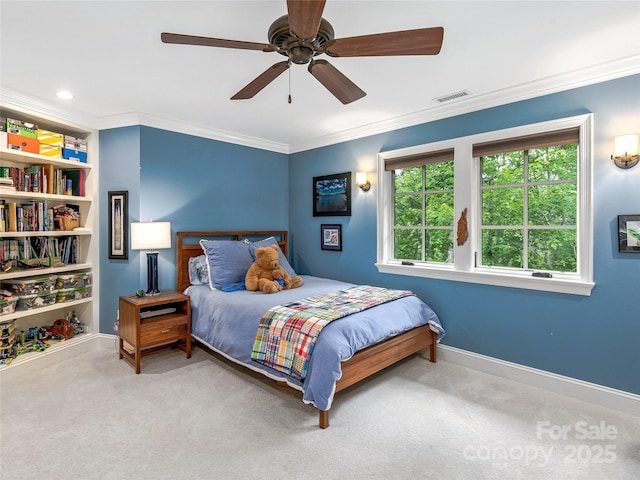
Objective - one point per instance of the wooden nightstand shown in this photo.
(148, 324)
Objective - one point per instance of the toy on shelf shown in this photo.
(7, 352)
(73, 319)
(33, 340)
(61, 329)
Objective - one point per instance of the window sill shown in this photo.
(556, 285)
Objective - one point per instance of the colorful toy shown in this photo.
(7, 352)
(30, 341)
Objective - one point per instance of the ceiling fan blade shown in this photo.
(422, 41)
(304, 17)
(340, 86)
(261, 81)
(214, 42)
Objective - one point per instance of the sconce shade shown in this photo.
(625, 144)
(362, 182)
(625, 151)
(150, 235)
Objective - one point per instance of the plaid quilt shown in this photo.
(287, 333)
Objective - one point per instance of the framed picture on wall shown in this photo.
(118, 225)
(332, 195)
(629, 233)
(331, 237)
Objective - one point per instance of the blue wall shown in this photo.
(591, 338)
(192, 182)
(120, 170)
(201, 184)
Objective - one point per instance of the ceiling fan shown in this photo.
(303, 34)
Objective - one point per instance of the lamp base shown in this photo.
(152, 274)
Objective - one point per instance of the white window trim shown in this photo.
(466, 184)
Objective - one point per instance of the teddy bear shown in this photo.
(265, 272)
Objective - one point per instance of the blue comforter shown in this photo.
(228, 321)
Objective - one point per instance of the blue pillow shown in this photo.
(282, 260)
(227, 261)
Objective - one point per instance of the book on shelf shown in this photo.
(41, 251)
(45, 179)
(78, 179)
(28, 217)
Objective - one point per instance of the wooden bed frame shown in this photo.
(364, 363)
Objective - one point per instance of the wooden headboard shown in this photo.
(187, 246)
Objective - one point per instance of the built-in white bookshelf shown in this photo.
(85, 238)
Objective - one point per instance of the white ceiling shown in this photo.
(109, 55)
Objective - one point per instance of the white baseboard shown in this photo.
(590, 392)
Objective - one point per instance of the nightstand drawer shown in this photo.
(162, 334)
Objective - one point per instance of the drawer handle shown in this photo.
(166, 331)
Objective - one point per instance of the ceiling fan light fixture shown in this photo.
(300, 55)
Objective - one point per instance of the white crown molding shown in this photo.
(135, 118)
(571, 387)
(600, 73)
(578, 78)
(41, 108)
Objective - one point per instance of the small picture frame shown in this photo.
(331, 237)
(332, 195)
(629, 233)
(118, 225)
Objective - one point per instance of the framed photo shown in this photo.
(332, 195)
(118, 225)
(331, 237)
(629, 233)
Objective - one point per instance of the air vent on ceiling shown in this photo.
(452, 96)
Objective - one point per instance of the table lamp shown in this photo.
(151, 236)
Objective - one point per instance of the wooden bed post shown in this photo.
(323, 418)
(433, 355)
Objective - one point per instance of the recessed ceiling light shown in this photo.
(65, 95)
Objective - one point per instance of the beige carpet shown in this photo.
(93, 418)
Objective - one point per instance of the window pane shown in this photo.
(407, 244)
(408, 180)
(503, 206)
(503, 169)
(439, 176)
(502, 248)
(408, 210)
(553, 204)
(439, 209)
(553, 163)
(439, 246)
(553, 250)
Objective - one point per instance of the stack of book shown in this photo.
(6, 185)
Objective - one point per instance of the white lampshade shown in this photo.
(150, 235)
(626, 144)
(361, 178)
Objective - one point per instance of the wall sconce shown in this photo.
(625, 151)
(151, 236)
(362, 182)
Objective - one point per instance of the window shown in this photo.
(527, 191)
(423, 206)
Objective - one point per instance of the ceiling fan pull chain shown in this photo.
(289, 98)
